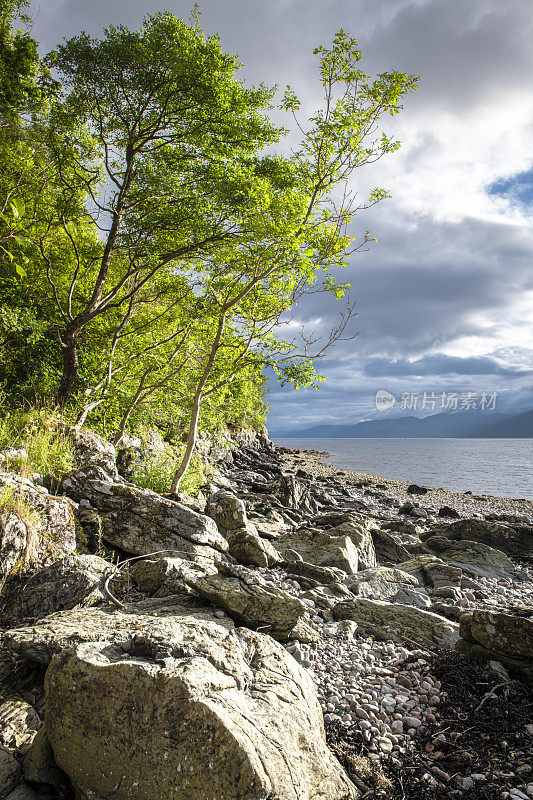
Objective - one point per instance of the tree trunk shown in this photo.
(69, 348)
(191, 441)
(195, 413)
(80, 422)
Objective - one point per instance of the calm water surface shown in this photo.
(502, 467)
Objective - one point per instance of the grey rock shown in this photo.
(227, 510)
(65, 630)
(65, 583)
(413, 488)
(447, 511)
(432, 571)
(40, 765)
(165, 575)
(395, 621)
(91, 449)
(327, 597)
(264, 608)
(291, 492)
(474, 558)
(379, 580)
(512, 540)
(10, 773)
(250, 549)
(359, 529)
(47, 532)
(412, 597)
(499, 636)
(324, 575)
(141, 522)
(388, 548)
(202, 691)
(321, 548)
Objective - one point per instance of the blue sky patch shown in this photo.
(517, 188)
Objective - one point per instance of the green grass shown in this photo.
(157, 471)
(12, 502)
(50, 452)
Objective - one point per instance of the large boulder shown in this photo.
(291, 492)
(474, 558)
(245, 543)
(514, 540)
(358, 527)
(228, 511)
(247, 598)
(379, 581)
(67, 582)
(398, 622)
(10, 773)
(91, 449)
(322, 575)
(142, 522)
(499, 636)
(431, 571)
(35, 527)
(250, 549)
(181, 707)
(164, 575)
(388, 548)
(320, 548)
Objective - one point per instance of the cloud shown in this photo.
(440, 364)
(445, 298)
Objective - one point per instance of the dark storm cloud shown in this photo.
(448, 284)
(438, 364)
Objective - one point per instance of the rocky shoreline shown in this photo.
(297, 632)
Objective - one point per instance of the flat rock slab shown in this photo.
(432, 571)
(475, 558)
(66, 630)
(514, 540)
(397, 622)
(163, 576)
(379, 580)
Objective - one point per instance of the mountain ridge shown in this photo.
(440, 426)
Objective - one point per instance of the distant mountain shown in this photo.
(519, 427)
(466, 424)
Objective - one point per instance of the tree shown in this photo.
(300, 225)
(164, 132)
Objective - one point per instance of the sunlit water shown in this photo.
(502, 467)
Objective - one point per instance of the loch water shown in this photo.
(501, 467)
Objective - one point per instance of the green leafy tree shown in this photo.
(300, 225)
(163, 133)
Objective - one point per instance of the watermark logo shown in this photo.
(437, 401)
(384, 400)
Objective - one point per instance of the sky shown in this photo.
(445, 296)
